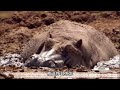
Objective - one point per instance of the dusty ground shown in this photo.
(63, 73)
(17, 28)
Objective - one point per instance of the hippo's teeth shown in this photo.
(57, 56)
(50, 52)
(47, 58)
(59, 61)
(35, 55)
(43, 54)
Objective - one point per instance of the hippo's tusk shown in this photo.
(50, 52)
(57, 56)
(43, 54)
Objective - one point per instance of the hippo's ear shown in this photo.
(50, 35)
(79, 43)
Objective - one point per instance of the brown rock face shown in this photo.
(78, 44)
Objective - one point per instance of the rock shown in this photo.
(11, 60)
(113, 63)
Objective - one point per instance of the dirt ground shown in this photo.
(18, 27)
(58, 73)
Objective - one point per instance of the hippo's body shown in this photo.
(78, 44)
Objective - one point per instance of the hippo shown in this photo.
(68, 43)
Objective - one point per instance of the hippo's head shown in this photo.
(53, 53)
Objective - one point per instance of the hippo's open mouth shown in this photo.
(45, 59)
